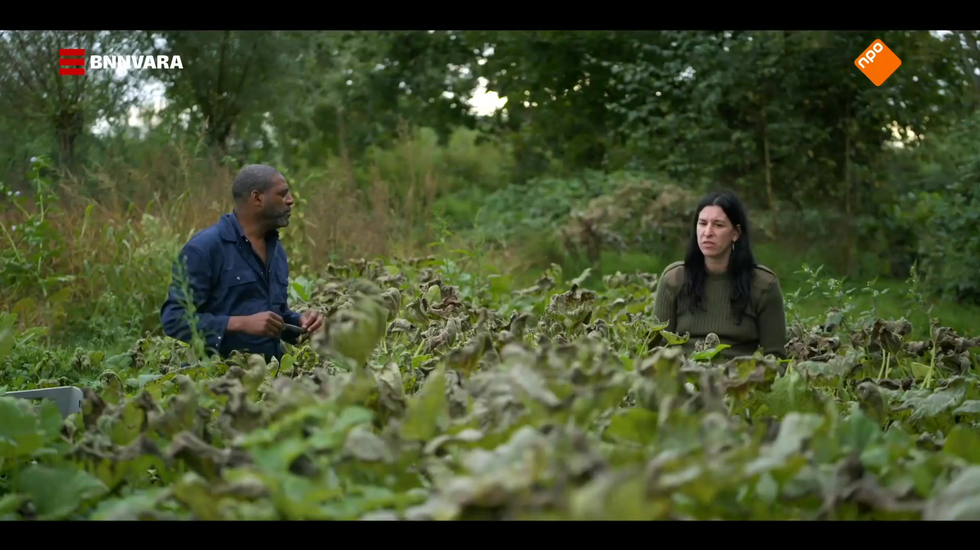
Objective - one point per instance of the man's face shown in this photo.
(277, 203)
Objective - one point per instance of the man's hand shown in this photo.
(266, 323)
(311, 320)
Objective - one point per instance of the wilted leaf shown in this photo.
(971, 407)
(938, 401)
(794, 430)
(427, 410)
(364, 445)
(391, 390)
(959, 501)
(333, 434)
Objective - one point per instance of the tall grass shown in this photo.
(96, 265)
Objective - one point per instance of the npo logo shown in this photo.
(878, 62)
(74, 66)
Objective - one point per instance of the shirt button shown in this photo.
(238, 278)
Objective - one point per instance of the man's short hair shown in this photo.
(254, 177)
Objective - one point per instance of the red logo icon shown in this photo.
(66, 64)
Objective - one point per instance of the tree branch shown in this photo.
(25, 80)
(248, 64)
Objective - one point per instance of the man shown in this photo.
(238, 274)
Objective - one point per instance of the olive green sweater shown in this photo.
(763, 323)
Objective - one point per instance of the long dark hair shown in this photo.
(741, 263)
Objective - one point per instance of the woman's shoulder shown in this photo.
(673, 275)
(763, 277)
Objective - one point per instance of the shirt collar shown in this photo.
(231, 229)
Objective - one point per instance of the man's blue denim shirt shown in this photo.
(228, 278)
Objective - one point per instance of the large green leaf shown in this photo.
(26, 427)
(57, 492)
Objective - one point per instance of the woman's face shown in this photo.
(715, 232)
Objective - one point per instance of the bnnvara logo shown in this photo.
(71, 62)
(74, 66)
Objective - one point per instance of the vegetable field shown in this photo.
(439, 394)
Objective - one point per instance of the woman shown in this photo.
(719, 288)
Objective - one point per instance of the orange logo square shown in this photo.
(878, 62)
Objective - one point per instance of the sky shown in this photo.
(485, 103)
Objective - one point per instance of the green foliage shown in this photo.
(454, 177)
(432, 395)
(35, 245)
(942, 212)
(632, 208)
(42, 269)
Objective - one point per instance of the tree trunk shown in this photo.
(219, 136)
(848, 215)
(765, 148)
(68, 126)
(342, 144)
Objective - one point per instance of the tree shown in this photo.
(227, 75)
(34, 94)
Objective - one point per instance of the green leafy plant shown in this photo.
(419, 403)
